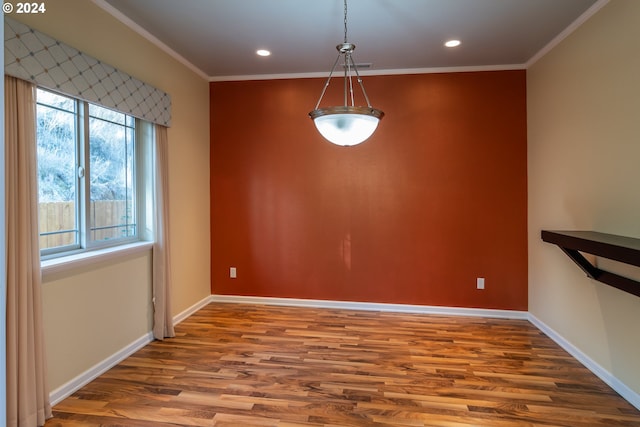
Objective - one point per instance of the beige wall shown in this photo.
(92, 313)
(584, 174)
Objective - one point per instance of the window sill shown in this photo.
(66, 263)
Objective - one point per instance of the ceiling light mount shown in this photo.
(346, 124)
(346, 48)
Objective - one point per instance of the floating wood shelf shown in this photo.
(617, 248)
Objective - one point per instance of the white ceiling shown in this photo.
(218, 38)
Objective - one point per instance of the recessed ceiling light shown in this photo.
(263, 52)
(452, 43)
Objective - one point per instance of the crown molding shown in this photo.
(148, 36)
(400, 71)
(567, 31)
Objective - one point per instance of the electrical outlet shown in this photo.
(480, 283)
(233, 273)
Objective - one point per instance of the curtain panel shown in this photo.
(162, 318)
(27, 388)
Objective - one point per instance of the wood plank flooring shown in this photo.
(252, 365)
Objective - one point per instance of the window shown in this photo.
(88, 175)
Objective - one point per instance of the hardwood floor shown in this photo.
(251, 365)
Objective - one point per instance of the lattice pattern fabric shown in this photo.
(34, 56)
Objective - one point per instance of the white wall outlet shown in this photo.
(233, 273)
(480, 283)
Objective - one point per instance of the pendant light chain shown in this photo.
(345, 21)
(348, 86)
(348, 61)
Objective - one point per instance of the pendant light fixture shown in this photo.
(346, 124)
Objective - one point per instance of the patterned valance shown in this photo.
(33, 56)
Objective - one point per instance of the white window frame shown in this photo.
(142, 185)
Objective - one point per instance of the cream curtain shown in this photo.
(27, 388)
(162, 318)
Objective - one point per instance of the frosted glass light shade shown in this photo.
(346, 126)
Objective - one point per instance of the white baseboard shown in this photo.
(95, 371)
(611, 380)
(371, 306)
(178, 318)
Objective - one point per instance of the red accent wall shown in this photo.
(434, 199)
